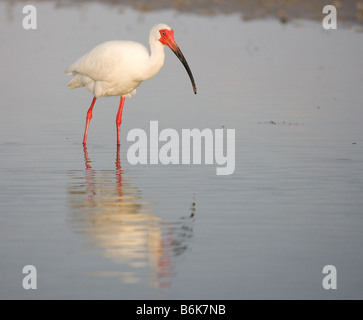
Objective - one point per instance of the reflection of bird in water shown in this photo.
(109, 211)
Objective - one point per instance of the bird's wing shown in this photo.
(107, 60)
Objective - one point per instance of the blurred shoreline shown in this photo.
(350, 12)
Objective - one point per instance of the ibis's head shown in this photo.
(165, 35)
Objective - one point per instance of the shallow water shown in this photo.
(95, 226)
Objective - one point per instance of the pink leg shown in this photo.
(119, 118)
(89, 117)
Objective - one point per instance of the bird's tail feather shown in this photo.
(79, 81)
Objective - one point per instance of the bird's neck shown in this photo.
(156, 59)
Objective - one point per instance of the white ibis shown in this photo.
(117, 68)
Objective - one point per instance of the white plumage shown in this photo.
(116, 68)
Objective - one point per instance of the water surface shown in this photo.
(97, 227)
